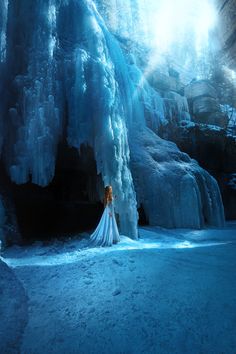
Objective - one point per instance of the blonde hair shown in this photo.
(107, 195)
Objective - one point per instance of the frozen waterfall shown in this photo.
(66, 76)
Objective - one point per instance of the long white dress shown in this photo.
(106, 232)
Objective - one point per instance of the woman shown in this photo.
(106, 232)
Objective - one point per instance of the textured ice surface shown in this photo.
(173, 190)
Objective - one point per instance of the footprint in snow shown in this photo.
(91, 263)
(55, 275)
(118, 262)
(91, 310)
(132, 269)
(135, 292)
(116, 292)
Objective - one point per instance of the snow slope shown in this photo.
(13, 310)
(174, 291)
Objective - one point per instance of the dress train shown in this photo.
(106, 232)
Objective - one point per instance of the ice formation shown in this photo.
(73, 66)
(71, 80)
(173, 190)
(177, 28)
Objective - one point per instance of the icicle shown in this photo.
(36, 116)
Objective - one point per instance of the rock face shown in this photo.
(9, 230)
(227, 31)
(215, 151)
(163, 82)
(171, 188)
(200, 88)
(204, 104)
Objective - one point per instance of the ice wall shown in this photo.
(67, 78)
(34, 104)
(3, 24)
(176, 107)
(128, 18)
(98, 95)
(172, 189)
(70, 81)
(180, 30)
(153, 106)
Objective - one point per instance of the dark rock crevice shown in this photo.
(70, 204)
(215, 151)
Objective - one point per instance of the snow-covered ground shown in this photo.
(173, 291)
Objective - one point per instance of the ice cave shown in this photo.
(138, 96)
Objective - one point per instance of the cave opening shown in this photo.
(143, 220)
(69, 205)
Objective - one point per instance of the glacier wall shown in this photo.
(66, 77)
